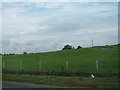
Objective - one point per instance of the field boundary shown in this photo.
(70, 81)
(66, 73)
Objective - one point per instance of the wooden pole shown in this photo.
(3, 65)
(97, 65)
(67, 65)
(20, 65)
(40, 66)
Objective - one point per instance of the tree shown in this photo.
(24, 52)
(67, 47)
(79, 47)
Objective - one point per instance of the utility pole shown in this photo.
(92, 42)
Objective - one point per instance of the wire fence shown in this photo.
(52, 68)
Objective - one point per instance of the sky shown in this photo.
(49, 26)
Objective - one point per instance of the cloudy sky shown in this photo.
(43, 26)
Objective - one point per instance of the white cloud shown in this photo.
(0, 28)
(60, 0)
(36, 27)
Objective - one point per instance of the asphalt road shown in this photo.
(6, 84)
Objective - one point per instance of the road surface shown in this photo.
(6, 84)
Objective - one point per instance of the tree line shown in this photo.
(68, 47)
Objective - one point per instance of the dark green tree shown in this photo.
(24, 52)
(67, 47)
(79, 47)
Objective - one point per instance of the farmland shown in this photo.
(79, 60)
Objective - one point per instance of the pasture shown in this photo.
(79, 60)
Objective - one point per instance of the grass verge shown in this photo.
(63, 81)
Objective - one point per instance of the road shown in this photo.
(6, 84)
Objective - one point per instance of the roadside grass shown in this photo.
(63, 80)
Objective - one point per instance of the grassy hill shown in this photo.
(109, 46)
(79, 60)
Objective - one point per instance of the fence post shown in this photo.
(3, 65)
(20, 65)
(97, 65)
(40, 66)
(67, 65)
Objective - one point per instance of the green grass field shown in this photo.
(79, 60)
